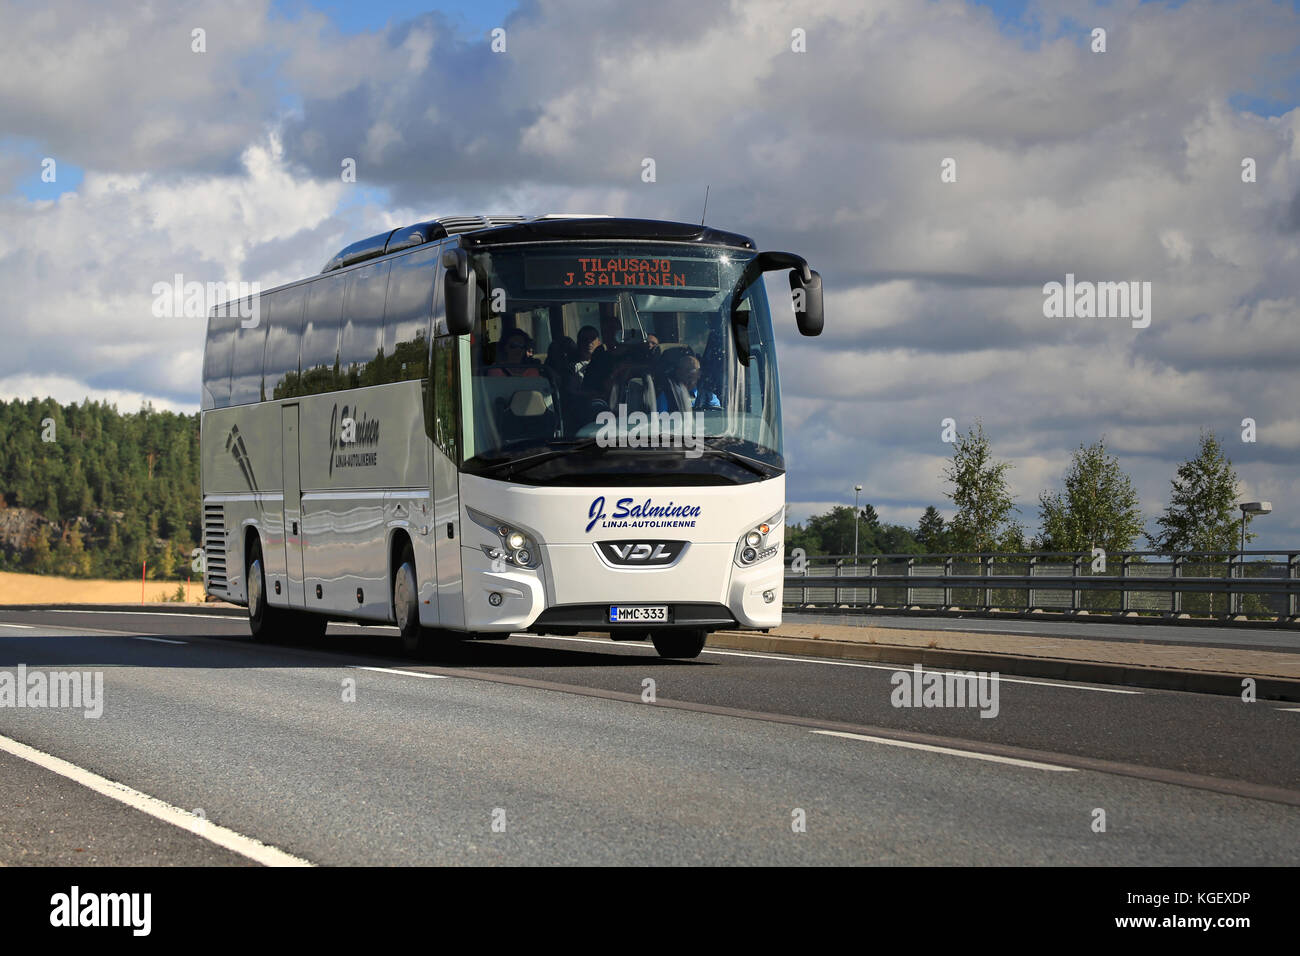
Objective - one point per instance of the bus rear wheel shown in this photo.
(264, 621)
(679, 644)
(269, 623)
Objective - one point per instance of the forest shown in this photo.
(87, 491)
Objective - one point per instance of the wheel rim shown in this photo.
(255, 593)
(403, 598)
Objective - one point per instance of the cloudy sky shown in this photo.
(1115, 166)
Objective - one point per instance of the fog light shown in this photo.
(495, 598)
(523, 558)
(748, 555)
(769, 596)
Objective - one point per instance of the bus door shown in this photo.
(292, 506)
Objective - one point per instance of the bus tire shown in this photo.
(264, 621)
(406, 604)
(679, 644)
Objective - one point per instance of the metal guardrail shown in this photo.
(1218, 584)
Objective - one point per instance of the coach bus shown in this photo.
(478, 426)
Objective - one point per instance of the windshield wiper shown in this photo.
(509, 467)
(760, 468)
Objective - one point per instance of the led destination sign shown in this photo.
(569, 272)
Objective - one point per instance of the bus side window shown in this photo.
(361, 338)
(246, 371)
(408, 314)
(217, 359)
(446, 395)
(283, 335)
(320, 335)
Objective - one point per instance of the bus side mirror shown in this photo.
(807, 297)
(460, 292)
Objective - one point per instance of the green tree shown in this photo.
(1200, 515)
(834, 530)
(1098, 509)
(931, 533)
(984, 502)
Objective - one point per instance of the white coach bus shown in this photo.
(477, 426)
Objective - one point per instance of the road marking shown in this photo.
(813, 660)
(156, 640)
(1292, 710)
(1034, 764)
(390, 670)
(28, 627)
(236, 618)
(255, 850)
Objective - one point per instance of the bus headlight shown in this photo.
(514, 547)
(760, 542)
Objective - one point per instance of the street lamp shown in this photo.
(1252, 508)
(857, 490)
(1248, 508)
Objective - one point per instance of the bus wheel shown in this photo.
(679, 643)
(406, 604)
(263, 620)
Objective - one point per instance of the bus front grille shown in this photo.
(214, 545)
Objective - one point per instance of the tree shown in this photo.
(984, 503)
(930, 532)
(1099, 508)
(870, 520)
(1202, 505)
(834, 530)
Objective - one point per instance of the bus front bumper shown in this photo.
(725, 596)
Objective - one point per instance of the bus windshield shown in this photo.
(621, 358)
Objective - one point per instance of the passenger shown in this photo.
(588, 342)
(515, 356)
(559, 368)
(683, 392)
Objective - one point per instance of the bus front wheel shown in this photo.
(679, 644)
(406, 605)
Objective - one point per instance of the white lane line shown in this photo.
(236, 618)
(813, 660)
(27, 627)
(1015, 762)
(1291, 710)
(156, 640)
(255, 850)
(390, 670)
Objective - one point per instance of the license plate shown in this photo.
(638, 613)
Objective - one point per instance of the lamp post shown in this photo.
(1248, 508)
(857, 490)
(1252, 508)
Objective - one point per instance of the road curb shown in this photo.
(1155, 678)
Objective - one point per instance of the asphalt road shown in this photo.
(548, 751)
